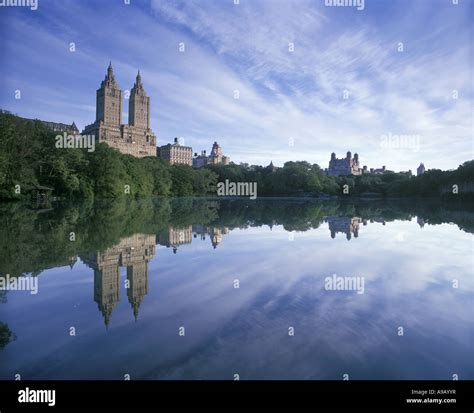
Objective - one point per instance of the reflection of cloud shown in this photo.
(245, 330)
(345, 327)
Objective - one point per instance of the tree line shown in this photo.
(28, 158)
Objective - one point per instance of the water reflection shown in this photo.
(346, 225)
(179, 255)
(134, 253)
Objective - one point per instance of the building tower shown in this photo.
(420, 170)
(139, 106)
(137, 276)
(109, 100)
(106, 289)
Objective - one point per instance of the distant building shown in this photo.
(345, 166)
(378, 171)
(200, 160)
(54, 126)
(61, 127)
(271, 167)
(420, 170)
(216, 157)
(136, 138)
(176, 153)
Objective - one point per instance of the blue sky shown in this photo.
(291, 104)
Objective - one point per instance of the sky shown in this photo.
(270, 80)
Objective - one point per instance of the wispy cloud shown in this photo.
(290, 61)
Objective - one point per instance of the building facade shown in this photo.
(136, 138)
(378, 171)
(216, 157)
(61, 127)
(420, 170)
(176, 153)
(54, 126)
(344, 166)
(200, 160)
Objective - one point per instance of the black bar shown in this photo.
(242, 395)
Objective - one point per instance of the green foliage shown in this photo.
(294, 179)
(182, 180)
(29, 157)
(204, 181)
(100, 224)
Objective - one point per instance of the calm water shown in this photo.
(127, 277)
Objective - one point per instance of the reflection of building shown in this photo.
(136, 138)
(176, 153)
(420, 221)
(216, 157)
(135, 253)
(344, 166)
(215, 233)
(345, 225)
(175, 237)
(379, 219)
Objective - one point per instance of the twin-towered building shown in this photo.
(135, 138)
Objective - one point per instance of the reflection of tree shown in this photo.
(6, 336)
(31, 242)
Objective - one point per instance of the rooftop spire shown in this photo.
(138, 82)
(110, 73)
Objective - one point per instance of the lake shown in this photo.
(232, 288)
